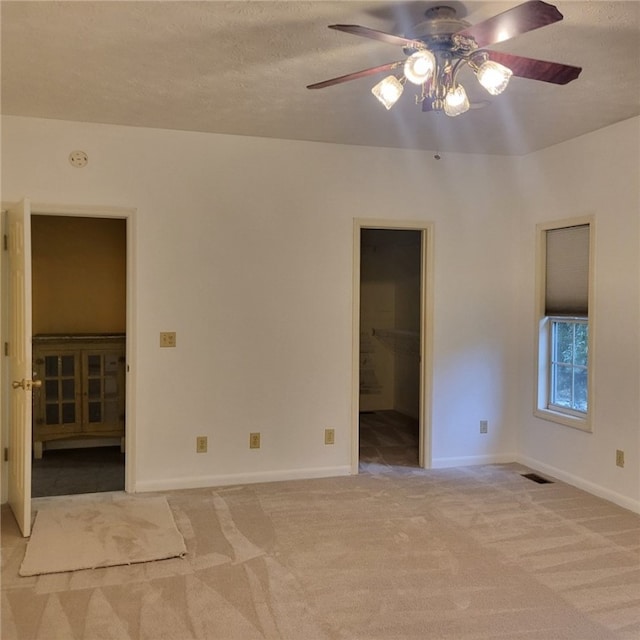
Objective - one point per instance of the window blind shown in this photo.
(567, 271)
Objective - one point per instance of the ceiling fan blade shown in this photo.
(355, 75)
(554, 72)
(365, 32)
(512, 22)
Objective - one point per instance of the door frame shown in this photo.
(426, 333)
(92, 211)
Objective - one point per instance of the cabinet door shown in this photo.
(103, 390)
(58, 409)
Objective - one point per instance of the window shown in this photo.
(564, 326)
(568, 365)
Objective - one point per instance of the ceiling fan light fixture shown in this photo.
(420, 66)
(493, 76)
(388, 91)
(456, 101)
(442, 45)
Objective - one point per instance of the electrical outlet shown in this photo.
(167, 338)
(329, 436)
(484, 426)
(254, 440)
(201, 444)
(619, 458)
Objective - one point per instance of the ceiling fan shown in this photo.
(438, 48)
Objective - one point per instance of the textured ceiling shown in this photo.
(242, 68)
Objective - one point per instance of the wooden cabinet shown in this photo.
(83, 388)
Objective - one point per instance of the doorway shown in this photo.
(392, 320)
(79, 318)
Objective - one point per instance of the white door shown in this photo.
(20, 366)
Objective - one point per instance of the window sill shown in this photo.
(583, 424)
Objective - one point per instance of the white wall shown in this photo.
(595, 174)
(244, 248)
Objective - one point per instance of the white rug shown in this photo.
(101, 534)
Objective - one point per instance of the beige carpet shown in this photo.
(96, 534)
(476, 553)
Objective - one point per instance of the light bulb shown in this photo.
(388, 91)
(493, 76)
(419, 66)
(456, 101)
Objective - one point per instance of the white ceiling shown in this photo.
(242, 68)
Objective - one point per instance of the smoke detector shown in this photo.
(78, 159)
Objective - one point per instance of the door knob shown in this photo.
(26, 384)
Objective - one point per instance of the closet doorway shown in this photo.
(79, 319)
(393, 352)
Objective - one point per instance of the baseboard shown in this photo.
(580, 483)
(198, 482)
(467, 461)
(86, 443)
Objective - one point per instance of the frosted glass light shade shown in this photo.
(493, 76)
(388, 91)
(419, 66)
(456, 101)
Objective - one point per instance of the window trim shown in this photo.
(542, 393)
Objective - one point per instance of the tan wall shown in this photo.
(79, 274)
(407, 310)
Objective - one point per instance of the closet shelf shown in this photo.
(400, 341)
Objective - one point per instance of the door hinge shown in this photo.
(6, 454)
(6, 348)
(5, 242)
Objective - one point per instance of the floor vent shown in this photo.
(536, 478)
